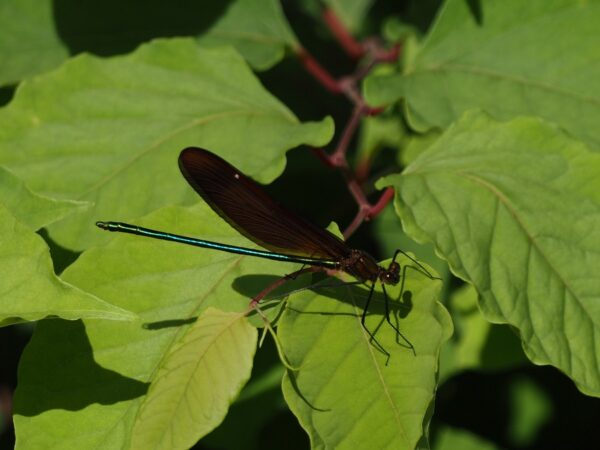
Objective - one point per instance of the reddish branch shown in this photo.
(370, 52)
(351, 46)
(317, 71)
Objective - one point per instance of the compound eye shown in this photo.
(392, 278)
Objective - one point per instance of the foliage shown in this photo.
(484, 124)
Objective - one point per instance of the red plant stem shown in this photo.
(356, 222)
(316, 70)
(366, 211)
(385, 198)
(338, 157)
(373, 53)
(353, 48)
(390, 55)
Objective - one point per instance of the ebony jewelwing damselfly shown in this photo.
(243, 204)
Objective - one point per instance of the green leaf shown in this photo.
(507, 60)
(515, 209)
(343, 393)
(257, 29)
(29, 289)
(109, 130)
(38, 35)
(379, 132)
(29, 43)
(196, 382)
(33, 210)
(84, 384)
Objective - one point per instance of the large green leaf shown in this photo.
(506, 58)
(29, 43)
(29, 289)
(109, 130)
(33, 210)
(343, 393)
(196, 382)
(257, 29)
(515, 209)
(88, 383)
(85, 385)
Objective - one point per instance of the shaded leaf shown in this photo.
(450, 438)
(38, 35)
(532, 411)
(257, 29)
(507, 62)
(29, 42)
(515, 209)
(353, 13)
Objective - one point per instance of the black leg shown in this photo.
(363, 319)
(425, 271)
(292, 276)
(388, 320)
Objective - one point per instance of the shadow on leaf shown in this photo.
(110, 27)
(58, 371)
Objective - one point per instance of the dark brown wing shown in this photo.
(247, 208)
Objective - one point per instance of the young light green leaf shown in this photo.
(29, 289)
(343, 393)
(257, 29)
(510, 58)
(379, 132)
(35, 211)
(82, 385)
(515, 209)
(109, 130)
(29, 42)
(197, 380)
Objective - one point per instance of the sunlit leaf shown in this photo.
(85, 384)
(515, 209)
(29, 289)
(109, 130)
(343, 393)
(33, 210)
(197, 380)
